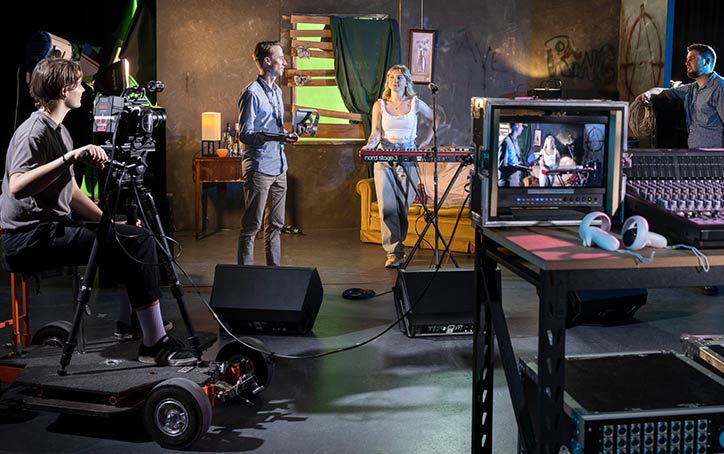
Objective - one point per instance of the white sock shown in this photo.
(151, 324)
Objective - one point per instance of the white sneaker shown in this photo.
(394, 262)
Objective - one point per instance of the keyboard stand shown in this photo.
(431, 219)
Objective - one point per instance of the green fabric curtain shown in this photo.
(363, 51)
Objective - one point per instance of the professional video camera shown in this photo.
(133, 134)
(129, 129)
(126, 124)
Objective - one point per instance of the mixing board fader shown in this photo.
(680, 193)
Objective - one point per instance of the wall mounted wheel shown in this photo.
(54, 334)
(177, 413)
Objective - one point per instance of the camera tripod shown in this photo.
(127, 177)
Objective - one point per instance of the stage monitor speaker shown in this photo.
(603, 306)
(440, 303)
(266, 299)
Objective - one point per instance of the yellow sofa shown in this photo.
(369, 232)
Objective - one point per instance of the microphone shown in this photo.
(433, 88)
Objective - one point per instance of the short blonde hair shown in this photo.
(405, 71)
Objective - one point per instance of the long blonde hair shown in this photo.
(405, 71)
(549, 149)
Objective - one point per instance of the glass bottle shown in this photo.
(228, 138)
(237, 140)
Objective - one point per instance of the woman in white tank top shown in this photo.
(394, 127)
(549, 159)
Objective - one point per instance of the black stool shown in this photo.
(54, 333)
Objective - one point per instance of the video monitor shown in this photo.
(546, 162)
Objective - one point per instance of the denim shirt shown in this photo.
(704, 111)
(261, 110)
(511, 152)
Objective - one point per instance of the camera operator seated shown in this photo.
(39, 193)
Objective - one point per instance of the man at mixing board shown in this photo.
(703, 99)
(703, 103)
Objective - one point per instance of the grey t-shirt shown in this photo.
(37, 141)
(704, 111)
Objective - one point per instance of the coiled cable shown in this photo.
(641, 120)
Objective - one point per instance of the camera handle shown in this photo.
(150, 215)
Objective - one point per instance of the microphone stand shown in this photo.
(570, 150)
(435, 210)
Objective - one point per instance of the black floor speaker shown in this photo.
(604, 306)
(266, 299)
(435, 303)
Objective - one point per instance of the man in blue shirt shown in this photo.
(510, 163)
(703, 99)
(703, 103)
(264, 165)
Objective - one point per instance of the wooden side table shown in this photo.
(212, 169)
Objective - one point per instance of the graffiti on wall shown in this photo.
(642, 59)
(565, 60)
(488, 60)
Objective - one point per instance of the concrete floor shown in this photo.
(388, 394)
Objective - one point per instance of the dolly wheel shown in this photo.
(177, 412)
(260, 364)
(54, 334)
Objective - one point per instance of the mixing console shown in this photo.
(680, 193)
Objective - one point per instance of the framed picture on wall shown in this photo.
(422, 54)
(537, 138)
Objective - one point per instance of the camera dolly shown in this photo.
(107, 380)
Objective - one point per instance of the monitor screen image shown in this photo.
(551, 154)
(546, 162)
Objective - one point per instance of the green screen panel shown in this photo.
(328, 98)
(315, 63)
(322, 98)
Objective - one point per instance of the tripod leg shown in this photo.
(149, 207)
(81, 303)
